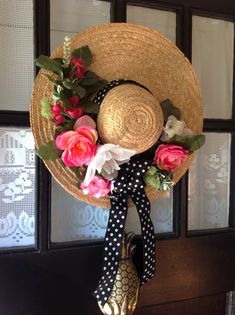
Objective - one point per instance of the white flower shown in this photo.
(107, 160)
(174, 127)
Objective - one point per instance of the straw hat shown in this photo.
(130, 115)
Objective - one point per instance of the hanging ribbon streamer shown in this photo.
(129, 183)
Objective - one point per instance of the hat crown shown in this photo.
(130, 116)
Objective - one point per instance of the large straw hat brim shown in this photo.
(125, 51)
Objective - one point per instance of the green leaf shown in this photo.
(46, 107)
(48, 151)
(93, 89)
(56, 82)
(192, 143)
(169, 109)
(75, 87)
(152, 181)
(80, 172)
(90, 78)
(59, 60)
(84, 53)
(64, 98)
(151, 171)
(195, 142)
(66, 127)
(49, 64)
(178, 140)
(91, 108)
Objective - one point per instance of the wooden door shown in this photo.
(196, 257)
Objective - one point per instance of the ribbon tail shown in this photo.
(143, 207)
(112, 247)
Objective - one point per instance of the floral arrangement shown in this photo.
(73, 111)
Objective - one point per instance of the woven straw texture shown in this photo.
(126, 51)
(131, 117)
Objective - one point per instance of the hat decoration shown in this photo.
(118, 140)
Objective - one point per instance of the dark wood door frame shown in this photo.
(189, 265)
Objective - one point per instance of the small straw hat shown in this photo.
(130, 115)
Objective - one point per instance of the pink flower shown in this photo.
(169, 157)
(74, 112)
(97, 188)
(74, 100)
(79, 146)
(56, 110)
(84, 121)
(58, 120)
(79, 63)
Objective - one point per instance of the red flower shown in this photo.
(74, 100)
(56, 114)
(79, 63)
(56, 109)
(74, 112)
(59, 119)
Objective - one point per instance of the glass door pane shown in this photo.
(16, 54)
(17, 187)
(212, 58)
(73, 16)
(73, 219)
(160, 20)
(209, 184)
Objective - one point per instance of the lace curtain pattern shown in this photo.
(17, 187)
(76, 220)
(209, 183)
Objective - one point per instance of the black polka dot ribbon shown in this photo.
(129, 183)
(110, 85)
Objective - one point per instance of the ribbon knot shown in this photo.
(129, 183)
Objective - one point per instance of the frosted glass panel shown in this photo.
(162, 21)
(70, 218)
(212, 58)
(73, 16)
(17, 187)
(16, 54)
(209, 179)
(74, 220)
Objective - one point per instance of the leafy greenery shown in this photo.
(48, 151)
(75, 87)
(56, 82)
(91, 107)
(169, 109)
(192, 143)
(65, 127)
(46, 108)
(90, 90)
(63, 96)
(49, 64)
(80, 172)
(90, 78)
(158, 179)
(84, 53)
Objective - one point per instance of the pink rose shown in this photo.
(169, 157)
(84, 121)
(74, 100)
(79, 63)
(74, 112)
(79, 146)
(97, 188)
